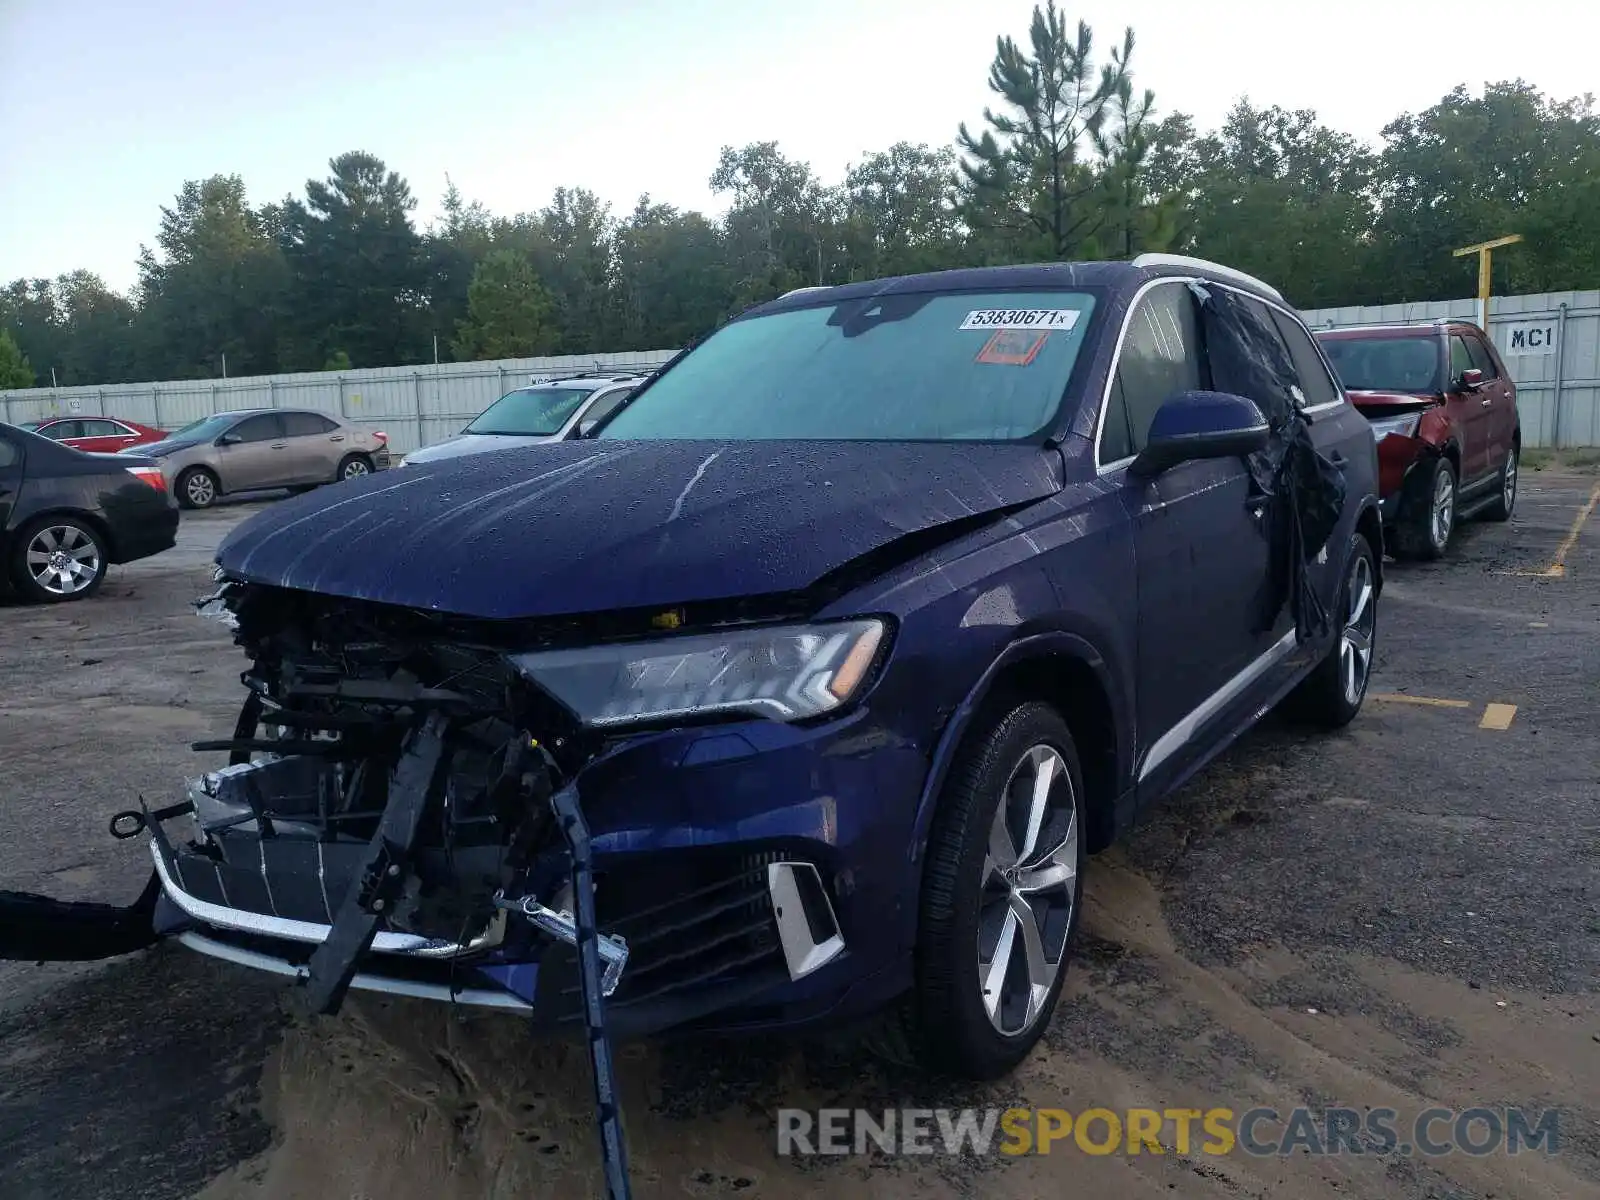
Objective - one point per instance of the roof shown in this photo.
(1063, 275)
(1394, 329)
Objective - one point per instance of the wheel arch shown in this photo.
(1068, 672)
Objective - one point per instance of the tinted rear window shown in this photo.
(1387, 364)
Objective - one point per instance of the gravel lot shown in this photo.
(1404, 915)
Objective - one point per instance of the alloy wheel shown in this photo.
(1361, 620)
(63, 559)
(200, 490)
(1443, 515)
(1509, 484)
(356, 468)
(1029, 888)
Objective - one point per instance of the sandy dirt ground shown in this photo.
(1405, 915)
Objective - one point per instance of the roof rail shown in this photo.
(1202, 264)
(815, 287)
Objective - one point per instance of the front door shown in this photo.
(1499, 397)
(100, 436)
(1470, 411)
(251, 453)
(1200, 544)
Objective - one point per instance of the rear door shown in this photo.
(10, 483)
(1469, 412)
(251, 456)
(1199, 542)
(100, 436)
(316, 445)
(1340, 433)
(1497, 395)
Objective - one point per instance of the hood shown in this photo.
(593, 526)
(1388, 403)
(474, 443)
(164, 446)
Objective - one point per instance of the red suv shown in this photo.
(1444, 412)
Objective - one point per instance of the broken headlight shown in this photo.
(786, 673)
(1405, 425)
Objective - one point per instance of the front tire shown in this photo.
(57, 559)
(1332, 695)
(1506, 501)
(1427, 512)
(1001, 893)
(198, 488)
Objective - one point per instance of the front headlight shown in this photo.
(786, 673)
(1405, 426)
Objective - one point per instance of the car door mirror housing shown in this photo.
(1196, 425)
(229, 439)
(585, 428)
(1471, 379)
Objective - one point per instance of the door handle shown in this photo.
(1486, 401)
(338, 437)
(279, 445)
(1338, 459)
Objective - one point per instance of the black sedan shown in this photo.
(65, 515)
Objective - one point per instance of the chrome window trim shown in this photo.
(1122, 337)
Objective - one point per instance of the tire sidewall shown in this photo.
(22, 579)
(956, 1028)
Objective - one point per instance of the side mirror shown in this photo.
(229, 439)
(585, 428)
(1470, 379)
(1195, 425)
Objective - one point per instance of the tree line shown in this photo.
(1070, 161)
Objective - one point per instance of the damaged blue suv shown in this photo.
(803, 687)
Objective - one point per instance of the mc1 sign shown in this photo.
(1527, 337)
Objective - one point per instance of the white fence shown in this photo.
(1550, 343)
(415, 406)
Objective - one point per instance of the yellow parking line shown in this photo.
(1558, 565)
(1401, 698)
(1497, 716)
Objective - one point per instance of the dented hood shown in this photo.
(597, 525)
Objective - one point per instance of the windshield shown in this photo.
(206, 427)
(985, 366)
(1387, 364)
(531, 412)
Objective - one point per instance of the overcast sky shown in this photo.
(107, 106)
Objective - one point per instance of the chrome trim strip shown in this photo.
(1180, 734)
(801, 952)
(238, 919)
(479, 997)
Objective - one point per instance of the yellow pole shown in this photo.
(1484, 250)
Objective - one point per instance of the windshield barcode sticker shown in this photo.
(1021, 318)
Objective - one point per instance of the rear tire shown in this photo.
(354, 466)
(1332, 694)
(58, 558)
(198, 487)
(987, 866)
(1506, 501)
(1427, 515)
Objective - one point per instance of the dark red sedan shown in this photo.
(99, 435)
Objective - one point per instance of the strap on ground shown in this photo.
(608, 1108)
